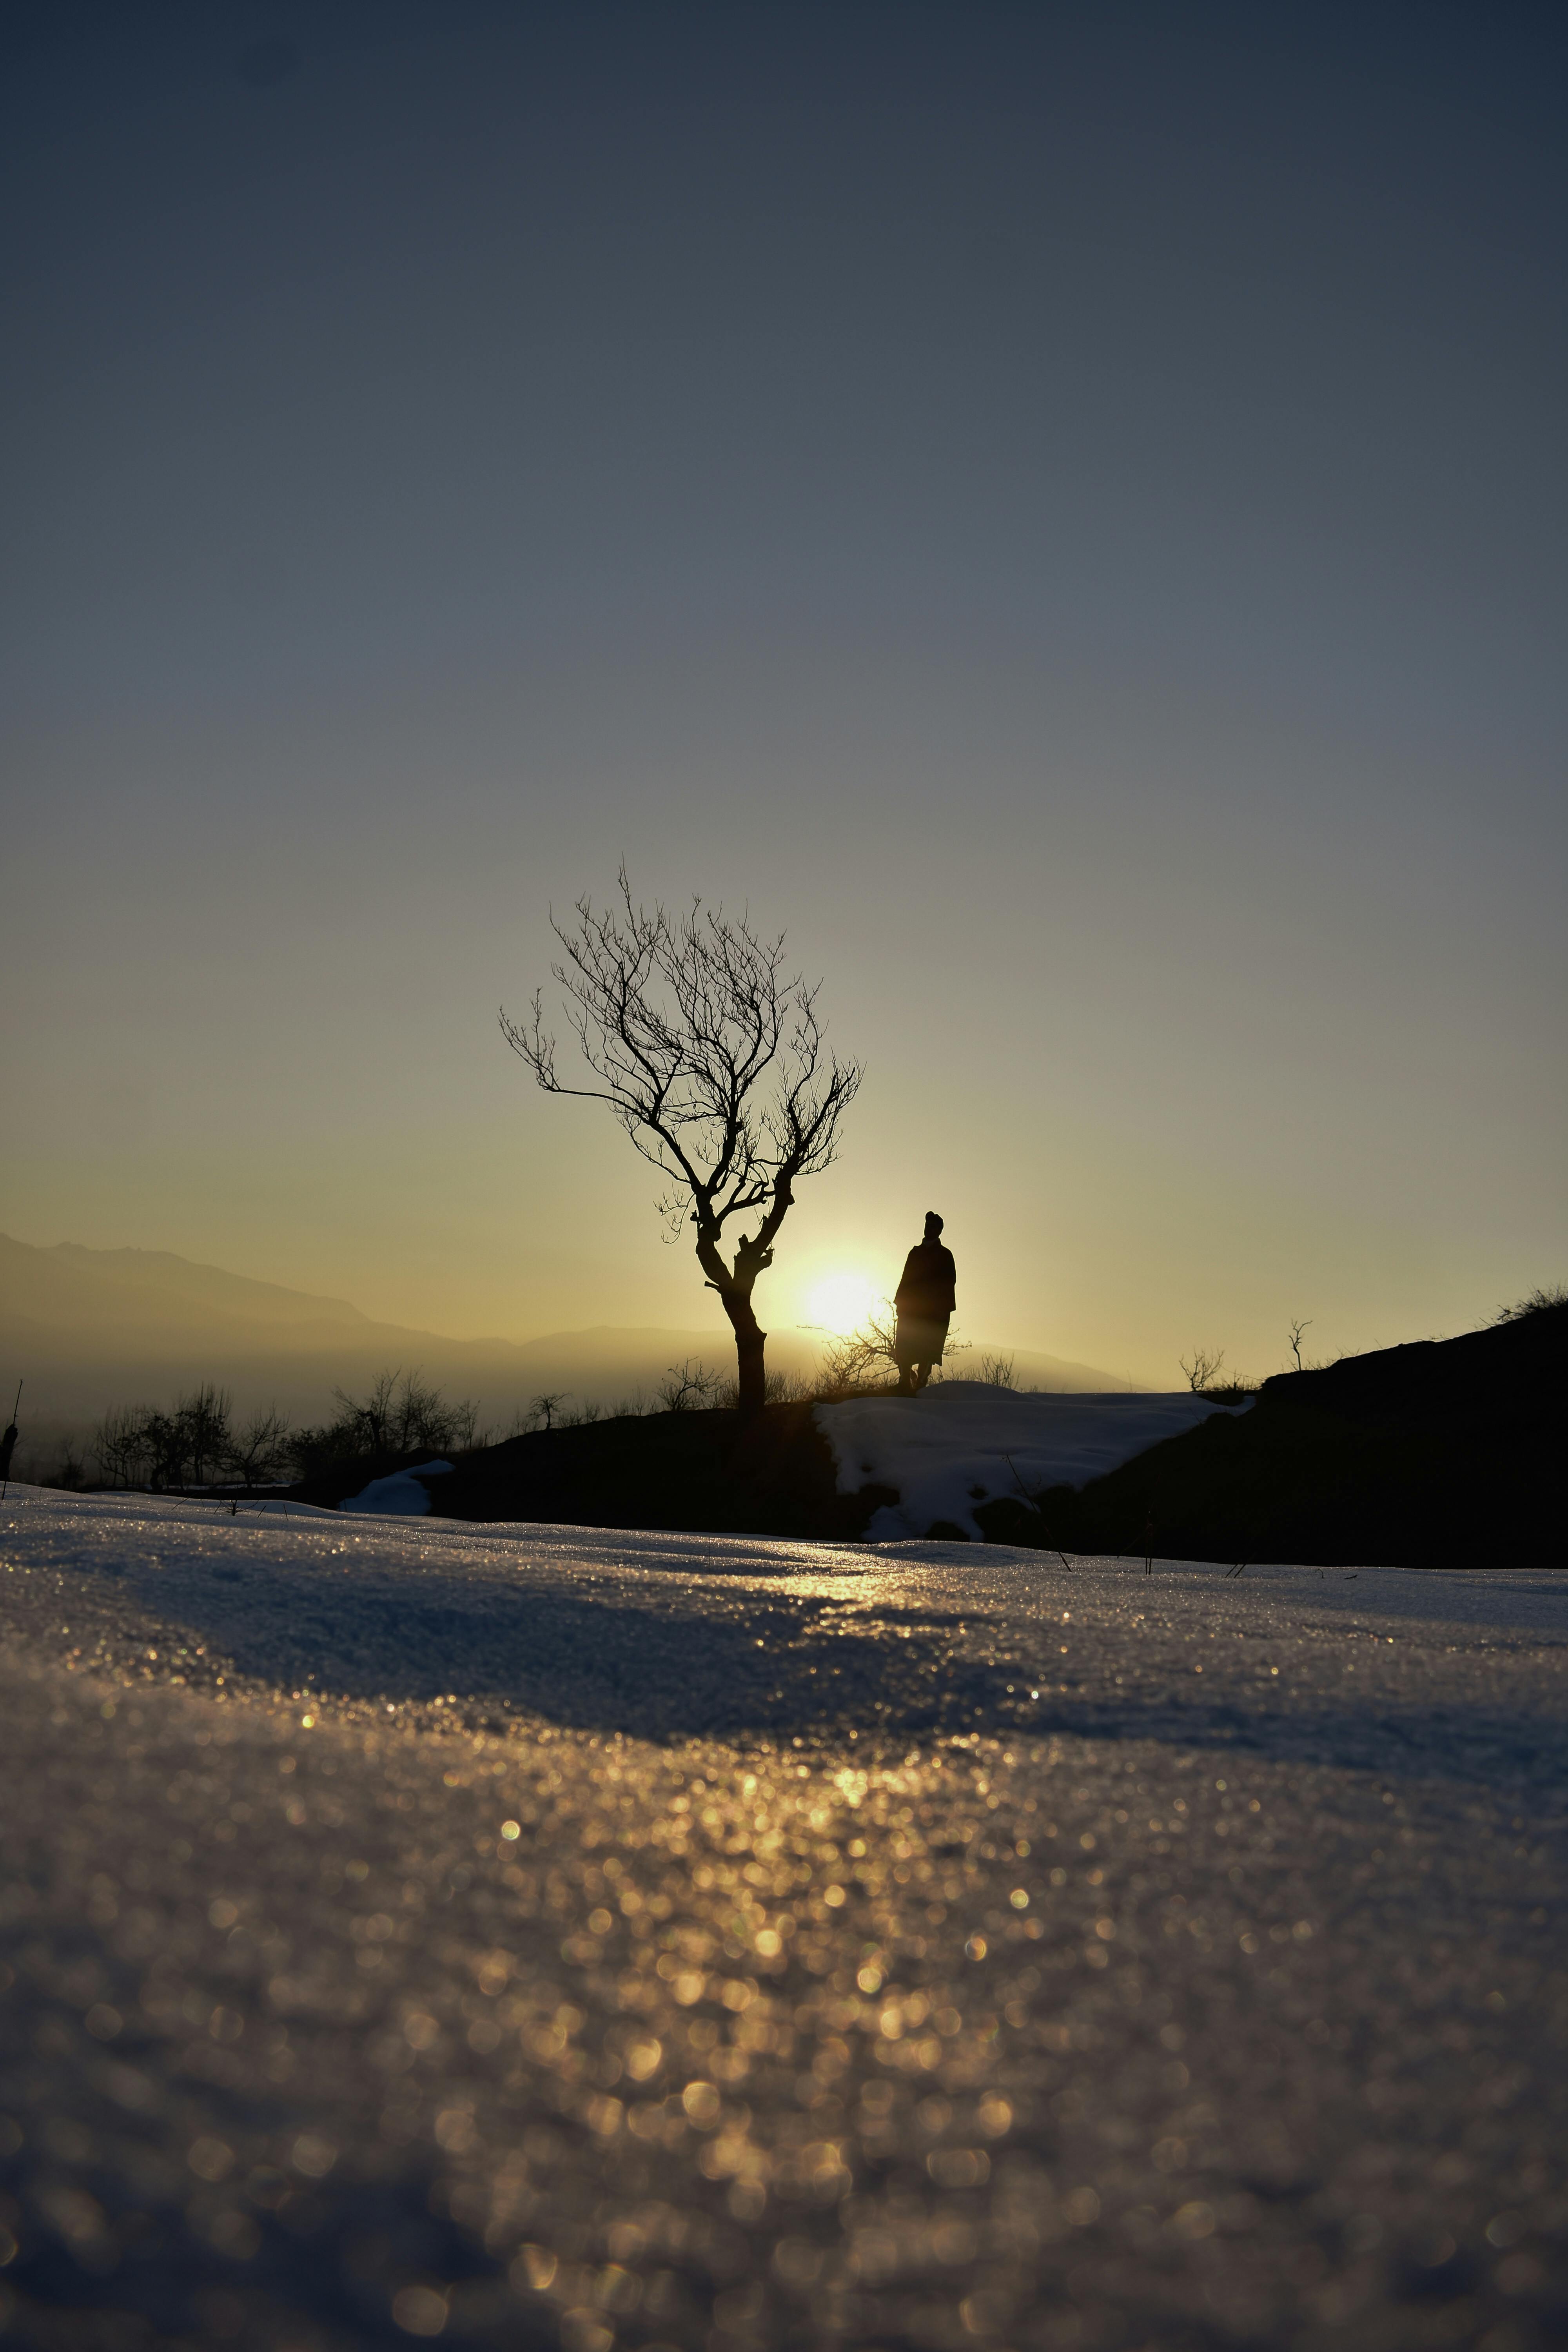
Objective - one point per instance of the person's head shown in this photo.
(933, 1226)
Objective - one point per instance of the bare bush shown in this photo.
(1202, 1368)
(1544, 1299)
(860, 1361)
(690, 1387)
(547, 1405)
(999, 1372)
(864, 1362)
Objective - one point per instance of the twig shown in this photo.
(1036, 1508)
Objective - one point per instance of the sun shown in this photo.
(840, 1302)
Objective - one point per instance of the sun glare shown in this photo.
(840, 1302)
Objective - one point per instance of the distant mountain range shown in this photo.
(90, 1328)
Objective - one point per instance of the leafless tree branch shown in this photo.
(710, 1057)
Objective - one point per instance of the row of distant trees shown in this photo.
(197, 1442)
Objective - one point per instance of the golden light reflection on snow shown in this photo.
(679, 2040)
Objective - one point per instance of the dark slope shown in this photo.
(697, 1473)
(1445, 1453)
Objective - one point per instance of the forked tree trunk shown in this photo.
(750, 1341)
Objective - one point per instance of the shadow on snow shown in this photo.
(769, 1666)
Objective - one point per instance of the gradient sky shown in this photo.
(1059, 507)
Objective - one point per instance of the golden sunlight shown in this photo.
(840, 1302)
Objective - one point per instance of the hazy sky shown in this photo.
(1061, 506)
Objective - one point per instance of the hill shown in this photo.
(94, 1328)
(91, 1328)
(1441, 1454)
(883, 1467)
(1438, 1455)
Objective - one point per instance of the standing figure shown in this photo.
(925, 1300)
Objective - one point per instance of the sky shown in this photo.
(1059, 509)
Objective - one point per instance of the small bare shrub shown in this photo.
(1202, 1367)
(1544, 1299)
(866, 1363)
(689, 1387)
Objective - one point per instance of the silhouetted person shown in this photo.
(924, 1299)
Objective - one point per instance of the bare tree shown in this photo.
(261, 1448)
(120, 1444)
(398, 1414)
(999, 1372)
(368, 1422)
(711, 1057)
(193, 1442)
(1296, 1331)
(547, 1405)
(1202, 1369)
(69, 1471)
(403, 1418)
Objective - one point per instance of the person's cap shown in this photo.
(932, 1219)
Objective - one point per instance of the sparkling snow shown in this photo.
(543, 1936)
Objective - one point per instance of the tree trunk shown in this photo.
(749, 1342)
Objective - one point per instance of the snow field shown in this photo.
(964, 1443)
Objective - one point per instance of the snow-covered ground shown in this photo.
(578, 1619)
(964, 1443)
(551, 1937)
(403, 1496)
